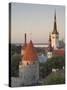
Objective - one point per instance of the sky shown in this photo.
(37, 21)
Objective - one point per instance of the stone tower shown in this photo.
(55, 35)
(29, 68)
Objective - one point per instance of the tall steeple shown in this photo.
(55, 35)
(55, 25)
(50, 47)
(25, 39)
(24, 45)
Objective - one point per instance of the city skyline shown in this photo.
(37, 20)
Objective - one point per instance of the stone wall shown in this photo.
(28, 75)
(15, 81)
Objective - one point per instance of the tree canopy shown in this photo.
(15, 59)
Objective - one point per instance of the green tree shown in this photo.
(55, 78)
(15, 59)
(55, 62)
(15, 49)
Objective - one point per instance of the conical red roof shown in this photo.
(30, 52)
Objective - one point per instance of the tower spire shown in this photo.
(55, 25)
(25, 38)
(55, 34)
(55, 16)
(50, 47)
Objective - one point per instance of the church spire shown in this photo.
(55, 25)
(50, 47)
(25, 38)
(55, 16)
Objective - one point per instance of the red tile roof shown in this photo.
(30, 52)
(59, 52)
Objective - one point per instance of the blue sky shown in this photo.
(36, 20)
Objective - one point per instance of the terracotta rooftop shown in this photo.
(59, 52)
(30, 52)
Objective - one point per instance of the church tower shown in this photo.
(29, 68)
(50, 49)
(55, 35)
